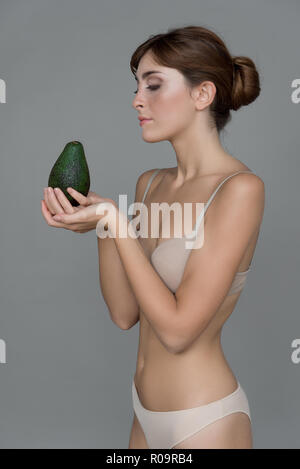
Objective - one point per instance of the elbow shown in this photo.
(174, 350)
(177, 348)
(125, 326)
(123, 321)
(181, 345)
(182, 341)
(176, 345)
(186, 333)
(176, 340)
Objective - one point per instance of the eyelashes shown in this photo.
(150, 87)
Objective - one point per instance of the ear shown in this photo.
(204, 94)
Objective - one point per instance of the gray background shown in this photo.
(67, 380)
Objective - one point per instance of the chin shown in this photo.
(152, 137)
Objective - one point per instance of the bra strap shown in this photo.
(199, 219)
(149, 183)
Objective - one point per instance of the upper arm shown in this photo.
(235, 215)
(139, 192)
(141, 185)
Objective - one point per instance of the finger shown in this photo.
(65, 203)
(68, 218)
(47, 201)
(48, 216)
(77, 217)
(95, 199)
(55, 205)
(77, 196)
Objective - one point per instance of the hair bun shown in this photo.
(246, 85)
(199, 54)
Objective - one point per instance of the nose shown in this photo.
(137, 101)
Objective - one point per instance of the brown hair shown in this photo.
(200, 55)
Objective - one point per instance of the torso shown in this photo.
(201, 374)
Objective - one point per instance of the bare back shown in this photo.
(201, 373)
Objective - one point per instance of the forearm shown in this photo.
(155, 299)
(123, 307)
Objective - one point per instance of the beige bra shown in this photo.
(170, 256)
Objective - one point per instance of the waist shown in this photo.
(153, 356)
(182, 382)
(167, 393)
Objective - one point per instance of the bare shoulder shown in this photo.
(246, 190)
(242, 180)
(143, 180)
(245, 182)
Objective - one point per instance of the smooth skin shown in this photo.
(182, 118)
(233, 431)
(60, 213)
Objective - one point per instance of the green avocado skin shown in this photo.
(71, 170)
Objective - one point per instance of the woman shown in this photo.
(184, 392)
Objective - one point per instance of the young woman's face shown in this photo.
(164, 98)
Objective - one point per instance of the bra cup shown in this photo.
(170, 256)
(169, 260)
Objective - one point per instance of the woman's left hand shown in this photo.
(83, 220)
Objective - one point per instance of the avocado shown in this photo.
(71, 170)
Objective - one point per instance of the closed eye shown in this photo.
(150, 87)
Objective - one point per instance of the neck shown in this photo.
(198, 153)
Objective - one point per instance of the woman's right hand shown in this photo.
(55, 202)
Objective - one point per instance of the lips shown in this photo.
(144, 120)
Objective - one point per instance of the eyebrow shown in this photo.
(146, 74)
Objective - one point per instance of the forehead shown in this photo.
(147, 63)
